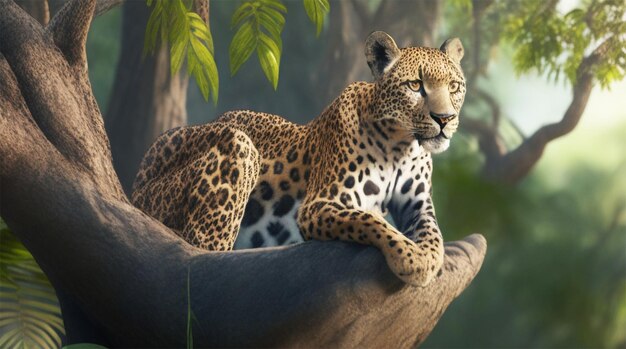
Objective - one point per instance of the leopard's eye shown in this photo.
(415, 85)
(454, 86)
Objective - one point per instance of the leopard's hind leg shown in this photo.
(197, 181)
(220, 185)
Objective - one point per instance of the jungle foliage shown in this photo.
(29, 311)
(259, 25)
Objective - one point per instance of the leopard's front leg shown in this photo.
(328, 220)
(414, 214)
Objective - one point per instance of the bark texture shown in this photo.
(123, 278)
(37, 8)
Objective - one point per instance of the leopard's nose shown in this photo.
(442, 119)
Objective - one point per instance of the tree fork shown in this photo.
(121, 276)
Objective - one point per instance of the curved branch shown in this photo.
(516, 164)
(511, 166)
(98, 250)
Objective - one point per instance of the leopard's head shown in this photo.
(420, 88)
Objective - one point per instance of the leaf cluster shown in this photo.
(259, 24)
(557, 43)
(173, 22)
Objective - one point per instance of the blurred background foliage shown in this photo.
(555, 272)
(29, 311)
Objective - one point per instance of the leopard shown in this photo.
(359, 172)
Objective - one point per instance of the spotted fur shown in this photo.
(252, 179)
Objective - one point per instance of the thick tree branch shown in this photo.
(122, 276)
(87, 146)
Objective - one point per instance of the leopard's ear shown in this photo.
(454, 49)
(381, 53)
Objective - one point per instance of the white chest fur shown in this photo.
(387, 172)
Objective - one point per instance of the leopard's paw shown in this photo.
(412, 265)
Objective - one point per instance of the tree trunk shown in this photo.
(123, 277)
(146, 100)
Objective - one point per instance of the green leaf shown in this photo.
(177, 54)
(152, 29)
(192, 64)
(269, 57)
(214, 80)
(275, 4)
(242, 12)
(202, 81)
(260, 24)
(273, 29)
(186, 33)
(201, 30)
(206, 75)
(275, 15)
(243, 44)
(317, 10)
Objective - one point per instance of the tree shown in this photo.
(62, 198)
(587, 45)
